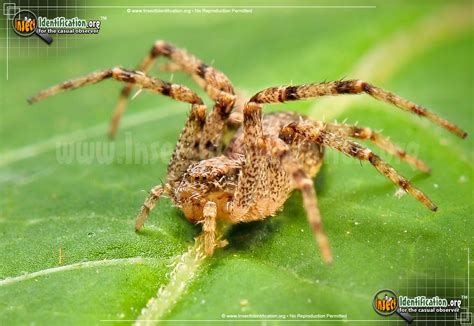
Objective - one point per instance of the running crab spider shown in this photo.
(270, 155)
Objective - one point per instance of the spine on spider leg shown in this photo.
(144, 66)
(358, 151)
(157, 50)
(397, 179)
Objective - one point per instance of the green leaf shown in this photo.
(68, 251)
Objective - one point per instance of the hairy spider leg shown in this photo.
(213, 81)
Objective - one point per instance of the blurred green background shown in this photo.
(86, 210)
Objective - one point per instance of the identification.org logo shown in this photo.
(386, 303)
(25, 23)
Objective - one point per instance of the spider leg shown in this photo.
(213, 81)
(236, 118)
(259, 166)
(378, 139)
(170, 67)
(261, 177)
(175, 91)
(184, 154)
(305, 184)
(217, 86)
(209, 227)
(252, 182)
(187, 148)
(148, 205)
(186, 151)
(309, 131)
(292, 93)
(144, 66)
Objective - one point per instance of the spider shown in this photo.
(250, 177)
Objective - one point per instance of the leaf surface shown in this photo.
(86, 210)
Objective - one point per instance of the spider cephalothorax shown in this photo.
(250, 177)
(213, 179)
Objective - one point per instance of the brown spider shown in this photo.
(251, 177)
